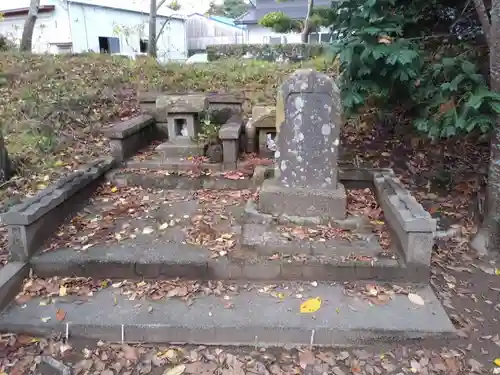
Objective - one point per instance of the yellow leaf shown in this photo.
(497, 362)
(58, 163)
(280, 295)
(41, 186)
(497, 271)
(114, 189)
(311, 305)
(63, 291)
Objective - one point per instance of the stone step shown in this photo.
(155, 260)
(236, 315)
(158, 179)
(184, 149)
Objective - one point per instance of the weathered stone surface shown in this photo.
(230, 134)
(222, 106)
(264, 116)
(307, 149)
(127, 137)
(124, 129)
(33, 221)
(309, 138)
(51, 366)
(255, 320)
(12, 276)
(5, 163)
(413, 226)
(189, 103)
(179, 148)
(324, 204)
(33, 208)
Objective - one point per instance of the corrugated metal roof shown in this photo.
(131, 6)
(140, 6)
(295, 9)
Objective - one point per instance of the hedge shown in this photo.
(269, 52)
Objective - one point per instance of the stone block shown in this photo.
(51, 366)
(412, 226)
(276, 199)
(251, 135)
(187, 103)
(127, 137)
(12, 276)
(179, 148)
(230, 134)
(264, 116)
(33, 221)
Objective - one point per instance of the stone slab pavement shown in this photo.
(248, 317)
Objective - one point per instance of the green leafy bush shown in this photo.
(379, 65)
(280, 22)
(452, 98)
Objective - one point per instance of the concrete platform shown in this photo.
(254, 318)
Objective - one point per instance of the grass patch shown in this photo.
(51, 107)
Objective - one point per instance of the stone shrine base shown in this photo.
(326, 204)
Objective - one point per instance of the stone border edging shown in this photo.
(127, 137)
(32, 222)
(12, 276)
(412, 226)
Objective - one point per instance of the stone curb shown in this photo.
(224, 269)
(51, 366)
(12, 276)
(411, 225)
(224, 336)
(33, 221)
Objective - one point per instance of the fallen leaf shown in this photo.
(45, 319)
(177, 370)
(147, 230)
(306, 357)
(60, 315)
(497, 362)
(416, 299)
(63, 291)
(311, 305)
(114, 189)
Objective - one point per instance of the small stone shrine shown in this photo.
(308, 122)
(264, 127)
(182, 116)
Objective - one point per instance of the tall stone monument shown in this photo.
(308, 122)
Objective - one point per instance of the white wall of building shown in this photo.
(88, 23)
(81, 25)
(203, 31)
(50, 30)
(258, 34)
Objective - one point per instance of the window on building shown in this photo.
(143, 45)
(313, 38)
(109, 44)
(326, 38)
(275, 40)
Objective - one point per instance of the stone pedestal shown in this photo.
(276, 199)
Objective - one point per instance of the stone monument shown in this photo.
(308, 123)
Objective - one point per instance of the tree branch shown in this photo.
(483, 18)
(160, 4)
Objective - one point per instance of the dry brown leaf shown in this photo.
(60, 315)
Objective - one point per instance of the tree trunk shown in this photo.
(307, 23)
(487, 239)
(152, 29)
(5, 164)
(29, 26)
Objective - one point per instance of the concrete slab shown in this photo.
(157, 258)
(255, 318)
